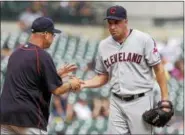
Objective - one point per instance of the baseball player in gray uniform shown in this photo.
(125, 60)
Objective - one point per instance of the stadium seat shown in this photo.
(83, 130)
(94, 132)
(79, 126)
(23, 38)
(172, 99)
(4, 63)
(83, 96)
(59, 63)
(81, 64)
(174, 83)
(72, 98)
(4, 39)
(60, 127)
(51, 127)
(71, 48)
(180, 132)
(86, 94)
(61, 47)
(180, 91)
(105, 91)
(93, 127)
(81, 48)
(76, 123)
(91, 50)
(57, 59)
(179, 109)
(158, 131)
(89, 74)
(2, 81)
(13, 40)
(70, 130)
(79, 74)
(180, 97)
(171, 130)
(181, 83)
(51, 50)
(100, 124)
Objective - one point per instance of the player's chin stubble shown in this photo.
(116, 36)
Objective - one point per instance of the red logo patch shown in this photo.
(113, 10)
(155, 50)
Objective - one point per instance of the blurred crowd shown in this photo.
(73, 12)
(59, 11)
(35, 10)
(172, 54)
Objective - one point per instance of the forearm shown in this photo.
(161, 79)
(96, 81)
(62, 89)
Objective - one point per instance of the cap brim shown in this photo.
(113, 18)
(56, 31)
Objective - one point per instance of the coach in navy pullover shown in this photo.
(30, 80)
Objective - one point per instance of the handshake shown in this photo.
(76, 84)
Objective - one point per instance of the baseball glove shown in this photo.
(157, 116)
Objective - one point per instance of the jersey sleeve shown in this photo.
(99, 66)
(152, 55)
(49, 72)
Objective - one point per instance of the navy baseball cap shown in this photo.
(44, 24)
(116, 13)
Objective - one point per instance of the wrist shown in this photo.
(85, 84)
(164, 98)
(69, 86)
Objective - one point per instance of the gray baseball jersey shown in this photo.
(128, 65)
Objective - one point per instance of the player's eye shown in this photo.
(110, 22)
(117, 22)
(53, 34)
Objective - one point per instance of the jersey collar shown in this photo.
(117, 43)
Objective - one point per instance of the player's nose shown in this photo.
(112, 26)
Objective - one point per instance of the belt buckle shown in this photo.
(123, 97)
(136, 96)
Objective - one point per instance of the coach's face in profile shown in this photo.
(117, 28)
(48, 39)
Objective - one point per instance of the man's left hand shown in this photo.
(66, 69)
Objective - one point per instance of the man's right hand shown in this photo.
(75, 84)
(97, 81)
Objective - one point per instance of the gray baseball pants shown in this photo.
(126, 116)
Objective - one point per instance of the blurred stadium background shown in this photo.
(83, 27)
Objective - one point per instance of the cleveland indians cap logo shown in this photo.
(113, 10)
